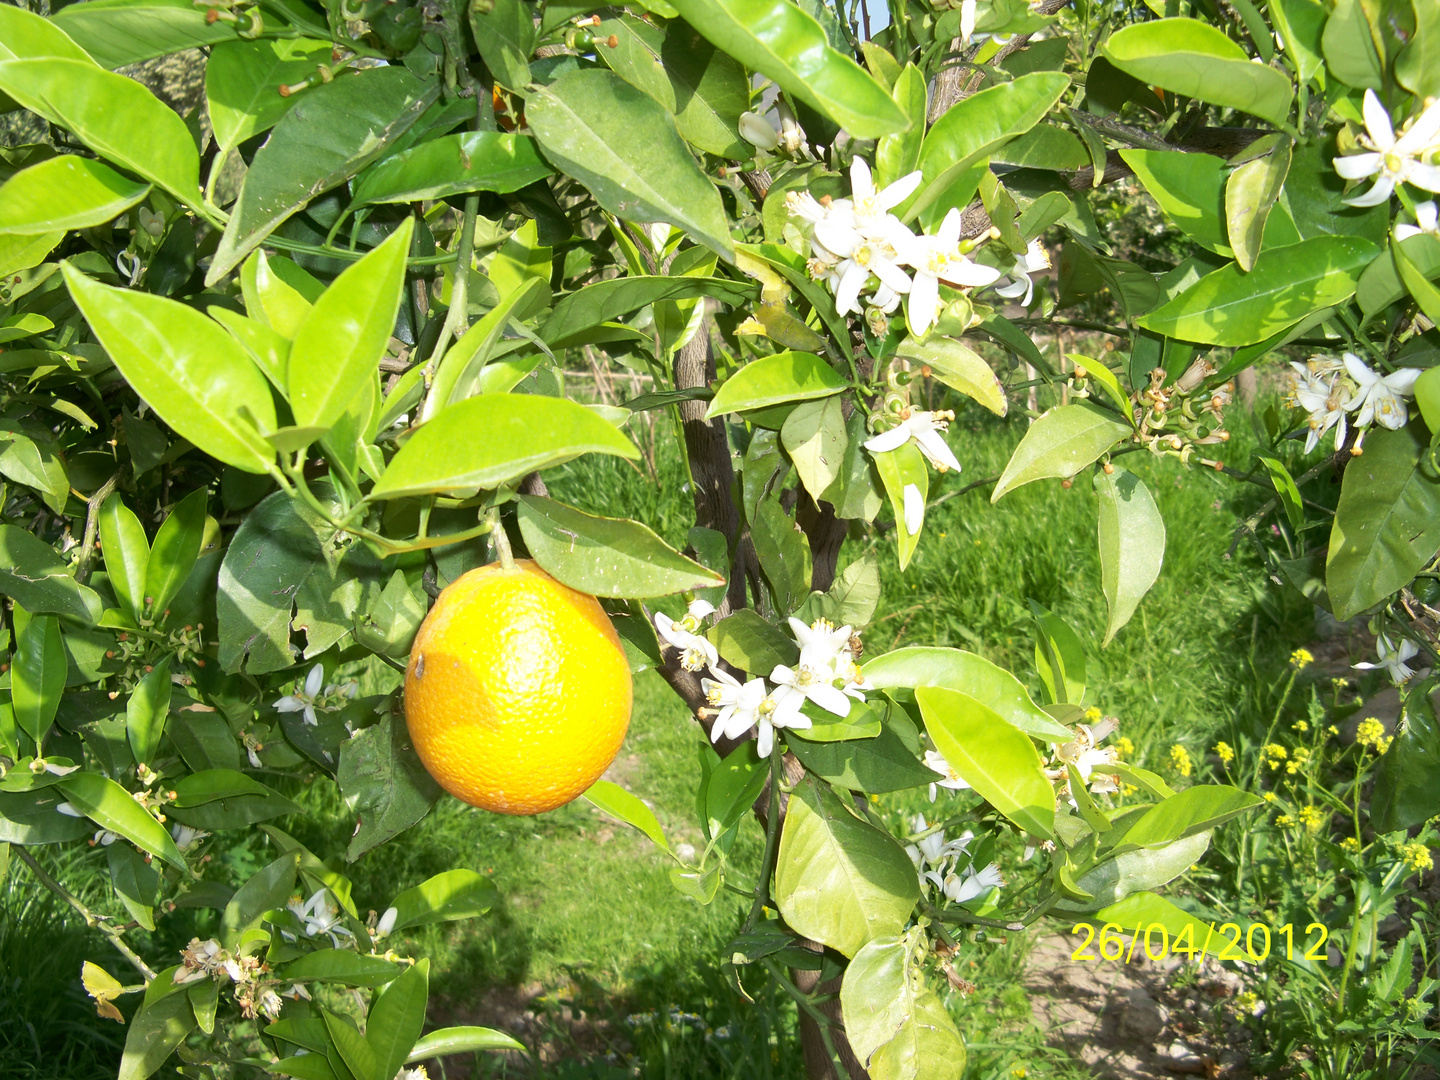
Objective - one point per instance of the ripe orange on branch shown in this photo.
(518, 693)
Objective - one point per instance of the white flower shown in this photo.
(769, 717)
(822, 640)
(270, 1003)
(930, 853)
(924, 428)
(320, 916)
(1019, 283)
(953, 780)
(858, 261)
(811, 679)
(1427, 220)
(738, 705)
(1392, 659)
(186, 837)
(387, 922)
(914, 509)
(934, 259)
(871, 208)
(756, 130)
(103, 837)
(417, 1073)
(301, 700)
(973, 884)
(1396, 161)
(1323, 399)
(696, 652)
(234, 970)
(1379, 397)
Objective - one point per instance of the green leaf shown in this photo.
(37, 675)
(333, 132)
(1380, 284)
(27, 36)
(1196, 809)
(452, 165)
(193, 374)
(1417, 68)
(1407, 776)
(775, 380)
(705, 89)
(1417, 284)
(874, 766)
(626, 149)
(339, 345)
(122, 32)
(915, 666)
(31, 817)
(1387, 524)
(604, 301)
(135, 881)
(397, 1016)
(779, 40)
(784, 554)
(749, 642)
(1059, 656)
(959, 144)
(391, 619)
(177, 547)
(1250, 193)
(617, 802)
(1132, 544)
(127, 553)
(242, 81)
(147, 710)
(114, 116)
(1232, 307)
(29, 456)
(384, 784)
(354, 1051)
(39, 580)
(1060, 443)
(268, 888)
(1146, 908)
(447, 897)
(898, 154)
(26, 324)
(898, 1027)
(1136, 871)
(1300, 24)
(840, 880)
(496, 439)
(606, 556)
(959, 368)
(461, 1040)
(210, 785)
(111, 807)
(1190, 188)
(901, 469)
(995, 758)
(23, 252)
(1349, 47)
(814, 436)
(505, 34)
(272, 300)
(1427, 397)
(65, 192)
(1285, 490)
(1189, 57)
(154, 1032)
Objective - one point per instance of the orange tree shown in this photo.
(279, 370)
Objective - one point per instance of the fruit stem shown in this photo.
(500, 540)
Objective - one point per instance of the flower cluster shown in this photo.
(938, 862)
(826, 674)
(1390, 159)
(1088, 757)
(310, 698)
(1329, 389)
(1416, 856)
(319, 916)
(857, 244)
(1371, 733)
(253, 993)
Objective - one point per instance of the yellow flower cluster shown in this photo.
(1284, 821)
(1124, 748)
(1275, 755)
(1269, 796)
(1093, 715)
(1351, 845)
(1301, 726)
(1225, 752)
(1311, 818)
(1371, 733)
(1180, 760)
(1298, 757)
(1302, 659)
(1416, 856)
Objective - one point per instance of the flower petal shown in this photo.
(914, 509)
(920, 309)
(315, 680)
(898, 191)
(887, 440)
(1376, 195)
(828, 698)
(934, 447)
(1377, 122)
(1358, 166)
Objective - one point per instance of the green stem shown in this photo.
(772, 846)
(503, 554)
(1349, 957)
(457, 319)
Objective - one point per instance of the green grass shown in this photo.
(587, 918)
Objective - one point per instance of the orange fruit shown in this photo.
(517, 694)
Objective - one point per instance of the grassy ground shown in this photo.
(625, 969)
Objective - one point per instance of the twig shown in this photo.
(95, 922)
(92, 526)
(458, 317)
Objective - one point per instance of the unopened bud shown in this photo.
(1108, 468)
(1067, 483)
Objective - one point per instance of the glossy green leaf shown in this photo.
(751, 643)
(774, 380)
(1192, 58)
(353, 1050)
(1194, 810)
(1190, 188)
(1407, 777)
(840, 880)
(705, 89)
(619, 803)
(1146, 908)
(243, 80)
(1250, 193)
(211, 785)
(606, 556)
(332, 133)
(1380, 284)
(897, 1026)
(605, 301)
(452, 165)
(384, 784)
(898, 154)
(495, 439)
(114, 116)
(1060, 443)
(32, 817)
(342, 966)
(153, 1033)
(1059, 656)
(446, 897)
(136, 882)
(193, 374)
(39, 580)
(37, 675)
(784, 554)
(24, 251)
(65, 192)
(29, 455)
(1417, 68)
(1132, 544)
(146, 711)
(1427, 397)
(626, 149)
(397, 1016)
(1285, 490)
(1417, 283)
(874, 766)
(111, 807)
(960, 368)
(461, 1040)
(1136, 871)
(994, 757)
(958, 146)
(815, 438)
(267, 888)
(25, 324)
(1349, 46)
(339, 345)
(779, 40)
(127, 553)
(1387, 524)
(25, 35)
(1232, 307)
(505, 35)
(177, 547)
(902, 470)
(122, 32)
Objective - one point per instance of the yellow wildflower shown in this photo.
(1275, 754)
(1351, 845)
(1311, 818)
(1416, 856)
(1370, 732)
(1332, 730)
(1225, 752)
(1284, 821)
(1124, 748)
(1269, 796)
(1180, 760)
(1302, 659)
(1301, 726)
(1093, 715)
